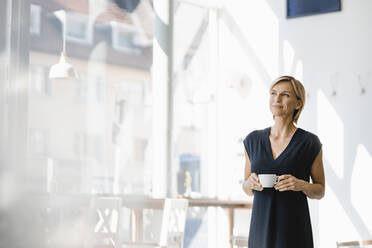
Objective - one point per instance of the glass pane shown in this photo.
(194, 115)
(86, 115)
(77, 28)
(193, 103)
(95, 122)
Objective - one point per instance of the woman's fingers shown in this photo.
(255, 182)
(288, 182)
(285, 186)
(254, 177)
(284, 182)
(258, 187)
(284, 177)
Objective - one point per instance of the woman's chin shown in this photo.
(280, 115)
(277, 113)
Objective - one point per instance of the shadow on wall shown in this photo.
(322, 58)
(314, 62)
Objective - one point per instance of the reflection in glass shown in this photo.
(61, 149)
(82, 114)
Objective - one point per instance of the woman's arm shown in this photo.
(314, 190)
(251, 181)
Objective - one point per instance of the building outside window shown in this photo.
(123, 37)
(78, 28)
(81, 86)
(38, 143)
(100, 88)
(35, 16)
(39, 81)
(88, 146)
(133, 91)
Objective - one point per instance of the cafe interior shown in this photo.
(122, 121)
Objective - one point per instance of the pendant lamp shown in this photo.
(62, 70)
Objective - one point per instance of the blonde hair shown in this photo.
(299, 91)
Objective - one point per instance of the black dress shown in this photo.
(281, 219)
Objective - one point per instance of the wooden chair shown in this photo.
(350, 244)
(103, 222)
(172, 226)
(239, 241)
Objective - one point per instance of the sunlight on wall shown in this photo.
(288, 57)
(243, 107)
(252, 112)
(331, 134)
(334, 224)
(360, 185)
(299, 70)
(262, 36)
(290, 65)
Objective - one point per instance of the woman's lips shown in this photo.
(277, 106)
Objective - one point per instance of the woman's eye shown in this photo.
(287, 95)
(272, 93)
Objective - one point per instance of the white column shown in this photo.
(212, 160)
(162, 99)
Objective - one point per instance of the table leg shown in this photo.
(139, 227)
(231, 224)
(136, 225)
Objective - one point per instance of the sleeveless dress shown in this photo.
(281, 219)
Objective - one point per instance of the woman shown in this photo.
(280, 215)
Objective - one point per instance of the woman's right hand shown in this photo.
(253, 183)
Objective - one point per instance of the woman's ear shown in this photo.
(298, 105)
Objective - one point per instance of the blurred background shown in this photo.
(151, 99)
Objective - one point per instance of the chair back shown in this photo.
(173, 223)
(239, 241)
(351, 244)
(103, 222)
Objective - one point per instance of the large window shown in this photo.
(99, 123)
(102, 130)
(194, 105)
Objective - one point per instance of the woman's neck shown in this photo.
(282, 128)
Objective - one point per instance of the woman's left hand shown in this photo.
(289, 182)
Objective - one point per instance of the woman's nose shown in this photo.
(277, 99)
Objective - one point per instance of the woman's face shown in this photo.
(283, 100)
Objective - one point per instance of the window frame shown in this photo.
(78, 17)
(123, 27)
(35, 12)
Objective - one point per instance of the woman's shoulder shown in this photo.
(257, 133)
(311, 137)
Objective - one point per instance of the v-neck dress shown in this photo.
(281, 219)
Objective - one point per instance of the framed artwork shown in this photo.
(298, 8)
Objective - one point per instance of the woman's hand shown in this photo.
(289, 182)
(253, 182)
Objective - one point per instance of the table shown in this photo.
(138, 203)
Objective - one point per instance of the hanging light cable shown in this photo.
(62, 70)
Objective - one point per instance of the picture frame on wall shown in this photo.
(299, 8)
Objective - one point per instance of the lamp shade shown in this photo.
(62, 70)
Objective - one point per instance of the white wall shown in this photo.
(327, 52)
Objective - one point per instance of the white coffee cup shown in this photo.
(268, 180)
